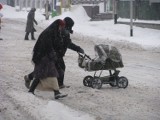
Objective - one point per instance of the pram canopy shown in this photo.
(107, 58)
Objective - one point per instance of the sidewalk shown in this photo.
(142, 24)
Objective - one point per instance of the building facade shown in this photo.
(143, 9)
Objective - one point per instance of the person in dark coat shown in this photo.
(45, 57)
(30, 24)
(60, 48)
(67, 43)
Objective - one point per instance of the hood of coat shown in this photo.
(33, 9)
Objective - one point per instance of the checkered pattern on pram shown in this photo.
(107, 58)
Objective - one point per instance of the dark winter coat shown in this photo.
(66, 43)
(49, 50)
(45, 68)
(44, 55)
(60, 51)
(30, 21)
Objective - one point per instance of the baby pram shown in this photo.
(107, 58)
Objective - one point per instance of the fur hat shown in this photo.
(69, 23)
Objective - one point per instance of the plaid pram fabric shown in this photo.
(107, 58)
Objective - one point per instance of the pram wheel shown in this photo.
(96, 83)
(122, 82)
(87, 81)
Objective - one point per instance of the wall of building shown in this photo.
(143, 10)
(91, 10)
(3, 1)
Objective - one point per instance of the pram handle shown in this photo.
(84, 55)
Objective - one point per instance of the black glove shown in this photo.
(81, 50)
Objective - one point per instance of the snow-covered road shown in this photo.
(140, 100)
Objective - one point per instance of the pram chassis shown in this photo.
(112, 79)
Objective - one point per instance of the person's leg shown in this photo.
(61, 70)
(28, 79)
(57, 94)
(26, 36)
(34, 85)
(31, 75)
(32, 36)
(54, 85)
(60, 78)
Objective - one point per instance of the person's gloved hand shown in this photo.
(81, 50)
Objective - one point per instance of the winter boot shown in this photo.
(27, 81)
(58, 95)
(26, 36)
(63, 86)
(33, 86)
(32, 36)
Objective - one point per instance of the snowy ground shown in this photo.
(140, 54)
(139, 101)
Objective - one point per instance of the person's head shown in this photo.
(69, 24)
(33, 9)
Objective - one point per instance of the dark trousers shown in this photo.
(27, 34)
(31, 75)
(61, 70)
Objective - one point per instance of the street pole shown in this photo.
(55, 2)
(105, 5)
(69, 5)
(52, 6)
(61, 7)
(115, 11)
(131, 18)
(46, 10)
